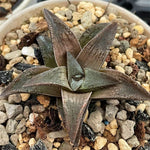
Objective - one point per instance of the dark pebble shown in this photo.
(124, 45)
(5, 77)
(143, 65)
(132, 102)
(9, 147)
(22, 66)
(2, 62)
(141, 116)
(88, 132)
(147, 147)
(131, 115)
(3, 12)
(39, 146)
(38, 55)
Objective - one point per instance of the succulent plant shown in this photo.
(73, 72)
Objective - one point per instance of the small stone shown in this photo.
(21, 126)
(4, 138)
(86, 19)
(122, 115)
(14, 139)
(9, 147)
(38, 108)
(26, 111)
(146, 87)
(32, 27)
(139, 28)
(148, 110)
(25, 96)
(126, 34)
(86, 148)
(124, 46)
(13, 110)
(112, 16)
(141, 75)
(116, 43)
(113, 131)
(28, 51)
(127, 129)
(113, 102)
(129, 53)
(141, 116)
(12, 35)
(44, 100)
(133, 142)
(99, 13)
(128, 70)
(111, 112)
(3, 117)
(19, 117)
(112, 146)
(113, 124)
(11, 126)
(39, 145)
(65, 146)
(120, 69)
(72, 7)
(141, 107)
(123, 145)
(5, 77)
(32, 142)
(129, 107)
(56, 144)
(95, 120)
(68, 14)
(57, 134)
(148, 43)
(100, 142)
(32, 117)
(13, 55)
(23, 146)
(14, 98)
(2, 108)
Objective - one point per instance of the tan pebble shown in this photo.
(104, 65)
(56, 9)
(126, 62)
(15, 61)
(126, 34)
(108, 127)
(103, 20)
(7, 6)
(61, 17)
(85, 5)
(54, 149)
(99, 13)
(94, 18)
(50, 139)
(25, 28)
(44, 100)
(75, 23)
(120, 69)
(13, 42)
(148, 43)
(36, 62)
(86, 148)
(141, 107)
(81, 11)
(56, 144)
(86, 116)
(113, 124)
(123, 145)
(133, 60)
(15, 75)
(113, 131)
(112, 16)
(81, 27)
(20, 139)
(100, 142)
(69, 24)
(146, 87)
(148, 75)
(76, 16)
(117, 35)
(25, 96)
(40, 18)
(8, 67)
(34, 19)
(129, 53)
(23, 146)
(5, 49)
(63, 8)
(114, 51)
(112, 146)
(30, 59)
(139, 28)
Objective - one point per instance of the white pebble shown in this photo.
(112, 146)
(100, 142)
(28, 51)
(129, 53)
(32, 117)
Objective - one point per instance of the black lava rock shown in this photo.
(141, 116)
(23, 66)
(143, 65)
(3, 12)
(38, 55)
(5, 77)
(8, 147)
(39, 146)
(132, 102)
(88, 132)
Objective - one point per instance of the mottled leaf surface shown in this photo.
(90, 33)
(75, 72)
(96, 50)
(128, 89)
(75, 106)
(62, 38)
(46, 49)
(95, 80)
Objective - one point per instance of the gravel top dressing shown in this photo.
(30, 121)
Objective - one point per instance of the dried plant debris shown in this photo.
(83, 93)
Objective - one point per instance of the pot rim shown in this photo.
(16, 20)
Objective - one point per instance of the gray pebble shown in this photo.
(11, 126)
(127, 129)
(21, 126)
(32, 27)
(13, 110)
(14, 139)
(116, 43)
(61, 12)
(20, 33)
(68, 14)
(72, 7)
(148, 110)
(57, 134)
(86, 19)
(129, 107)
(26, 111)
(122, 115)
(38, 108)
(3, 117)
(113, 102)
(147, 137)
(13, 47)
(110, 112)
(65, 146)
(124, 46)
(4, 138)
(2, 108)
(11, 36)
(77, 32)
(133, 141)
(14, 98)
(94, 121)
(19, 117)
(128, 70)
(13, 55)
(141, 75)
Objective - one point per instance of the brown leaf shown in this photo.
(74, 106)
(62, 38)
(96, 50)
(127, 89)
